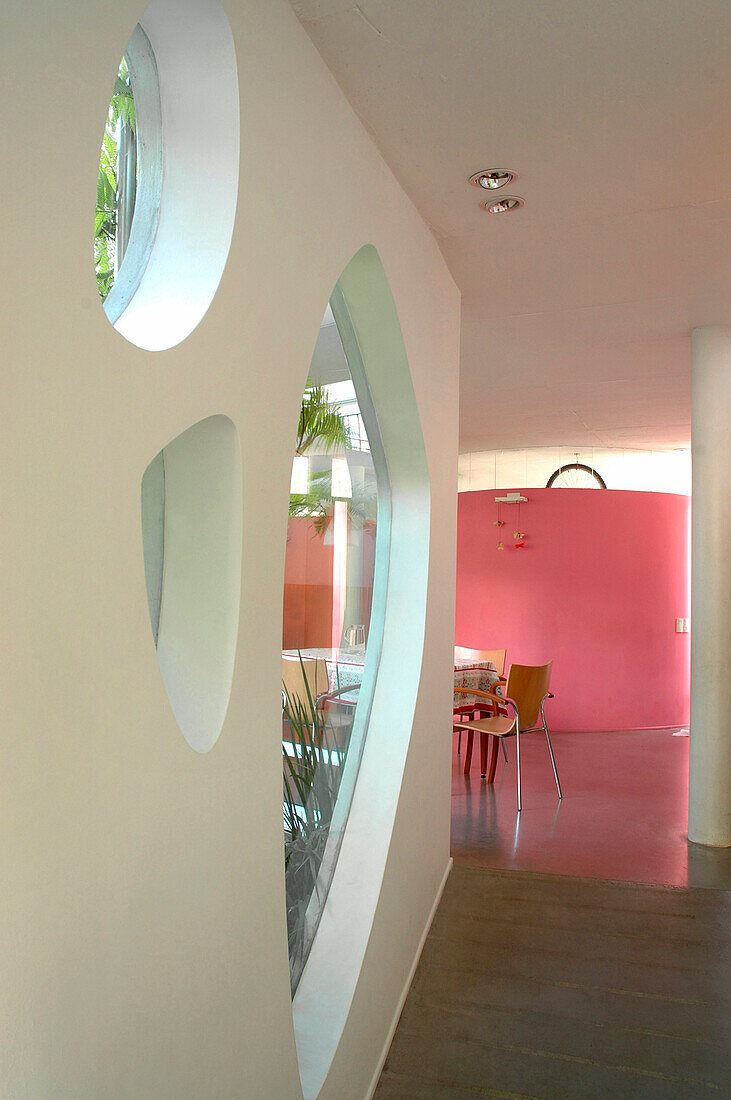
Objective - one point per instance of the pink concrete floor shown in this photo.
(624, 814)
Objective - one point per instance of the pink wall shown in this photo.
(598, 587)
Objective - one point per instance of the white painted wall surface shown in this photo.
(143, 928)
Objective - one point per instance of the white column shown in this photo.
(340, 569)
(709, 817)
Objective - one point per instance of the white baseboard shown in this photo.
(407, 985)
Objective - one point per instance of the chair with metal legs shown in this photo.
(517, 712)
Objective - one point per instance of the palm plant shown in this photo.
(121, 115)
(321, 424)
(311, 782)
(317, 503)
(321, 421)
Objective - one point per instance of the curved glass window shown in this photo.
(332, 617)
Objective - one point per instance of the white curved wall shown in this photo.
(143, 926)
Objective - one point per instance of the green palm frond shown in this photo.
(320, 421)
(125, 106)
(121, 108)
(311, 780)
(317, 503)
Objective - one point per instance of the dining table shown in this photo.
(345, 668)
(478, 675)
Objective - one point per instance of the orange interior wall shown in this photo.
(308, 579)
(307, 587)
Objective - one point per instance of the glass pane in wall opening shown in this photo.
(116, 183)
(331, 632)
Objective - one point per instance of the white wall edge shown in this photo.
(407, 984)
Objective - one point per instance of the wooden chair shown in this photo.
(306, 679)
(516, 712)
(497, 657)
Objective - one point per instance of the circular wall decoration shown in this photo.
(575, 475)
(168, 173)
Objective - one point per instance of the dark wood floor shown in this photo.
(555, 987)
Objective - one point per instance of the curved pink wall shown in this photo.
(598, 587)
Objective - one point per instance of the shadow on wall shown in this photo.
(597, 588)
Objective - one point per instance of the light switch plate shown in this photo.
(678, 626)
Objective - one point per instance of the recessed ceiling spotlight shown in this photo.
(492, 178)
(503, 206)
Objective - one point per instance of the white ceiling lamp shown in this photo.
(342, 488)
(492, 178)
(300, 475)
(504, 205)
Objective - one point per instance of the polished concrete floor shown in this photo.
(543, 987)
(581, 949)
(624, 814)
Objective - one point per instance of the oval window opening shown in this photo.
(161, 238)
(355, 604)
(191, 539)
(333, 618)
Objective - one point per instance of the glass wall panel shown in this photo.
(332, 624)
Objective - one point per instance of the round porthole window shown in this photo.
(168, 173)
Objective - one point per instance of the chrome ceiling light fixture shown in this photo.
(503, 205)
(492, 178)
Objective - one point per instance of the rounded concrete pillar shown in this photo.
(709, 817)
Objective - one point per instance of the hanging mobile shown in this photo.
(518, 535)
(499, 522)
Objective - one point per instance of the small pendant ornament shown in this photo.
(518, 535)
(519, 540)
(499, 522)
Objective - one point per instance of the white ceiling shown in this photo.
(615, 114)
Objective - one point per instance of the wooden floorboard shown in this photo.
(554, 988)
